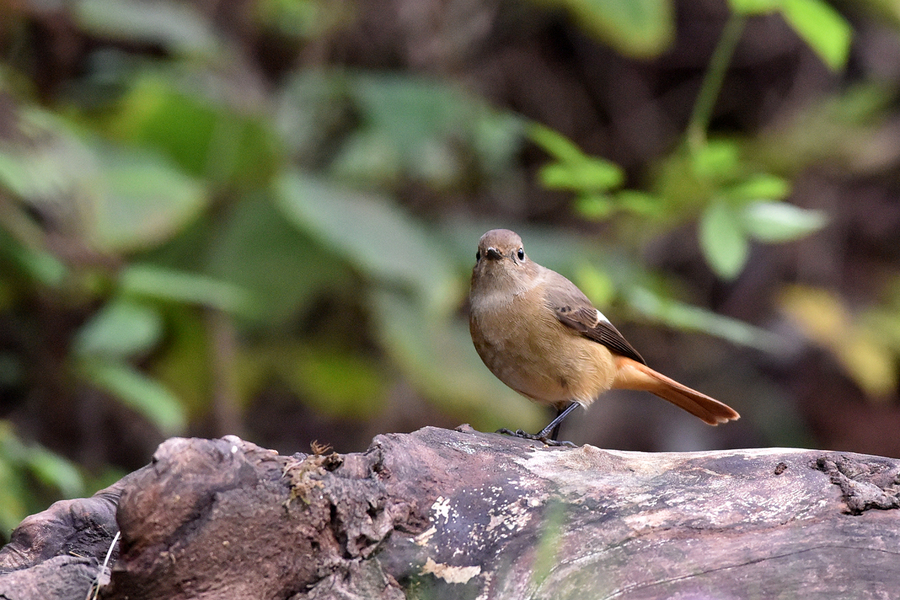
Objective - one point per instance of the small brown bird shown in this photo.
(541, 336)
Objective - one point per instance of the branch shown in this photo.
(462, 514)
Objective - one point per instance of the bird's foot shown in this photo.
(545, 439)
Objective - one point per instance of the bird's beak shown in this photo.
(493, 254)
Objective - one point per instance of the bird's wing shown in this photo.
(574, 310)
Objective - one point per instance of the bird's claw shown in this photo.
(538, 438)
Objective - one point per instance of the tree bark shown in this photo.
(462, 514)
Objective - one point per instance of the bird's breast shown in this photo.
(522, 342)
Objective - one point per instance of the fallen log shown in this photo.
(462, 514)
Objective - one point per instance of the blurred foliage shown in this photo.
(29, 476)
(866, 345)
(638, 28)
(204, 232)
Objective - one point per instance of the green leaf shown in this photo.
(595, 206)
(13, 495)
(139, 200)
(49, 161)
(759, 187)
(120, 329)
(755, 7)
(176, 26)
(337, 383)
(637, 28)
(50, 468)
(639, 203)
(136, 390)
(573, 170)
(256, 248)
(38, 264)
(693, 318)
(55, 471)
(372, 156)
(781, 222)
(591, 175)
(717, 159)
(723, 240)
(424, 129)
(181, 114)
(150, 281)
(555, 144)
(822, 27)
(373, 233)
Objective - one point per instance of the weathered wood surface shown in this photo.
(460, 514)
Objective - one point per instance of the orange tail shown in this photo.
(632, 375)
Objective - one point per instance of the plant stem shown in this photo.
(712, 81)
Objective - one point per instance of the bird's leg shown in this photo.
(549, 433)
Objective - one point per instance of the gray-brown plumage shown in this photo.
(541, 336)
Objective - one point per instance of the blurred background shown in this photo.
(259, 217)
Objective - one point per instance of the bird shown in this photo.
(539, 334)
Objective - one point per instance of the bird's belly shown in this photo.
(555, 367)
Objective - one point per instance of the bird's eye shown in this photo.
(478, 256)
(521, 254)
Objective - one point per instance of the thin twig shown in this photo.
(712, 81)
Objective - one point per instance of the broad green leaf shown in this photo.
(116, 198)
(138, 200)
(259, 251)
(693, 318)
(822, 27)
(497, 137)
(13, 496)
(336, 383)
(176, 26)
(150, 281)
(136, 390)
(592, 175)
(49, 161)
(723, 240)
(50, 468)
(120, 329)
(755, 7)
(424, 129)
(573, 170)
(181, 114)
(303, 19)
(312, 110)
(717, 159)
(184, 364)
(371, 156)
(54, 470)
(759, 187)
(637, 28)
(781, 222)
(38, 264)
(373, 233)
(383, 128)
(595, 206)
(408, 110)
(639, 203)
(555, 144)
